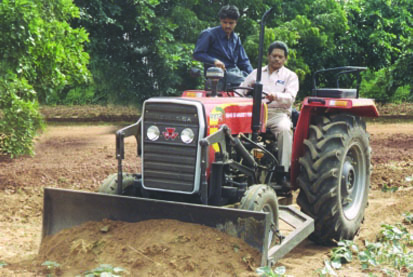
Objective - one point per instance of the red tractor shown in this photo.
(205, 153)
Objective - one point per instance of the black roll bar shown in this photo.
(341, 71)
(256, 112)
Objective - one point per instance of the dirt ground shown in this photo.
(81, 156)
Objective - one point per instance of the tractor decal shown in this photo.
(238, 115)
(170, 133)
(215, 121)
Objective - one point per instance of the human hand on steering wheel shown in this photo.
(268, 96)
(219, 64)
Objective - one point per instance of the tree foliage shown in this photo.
(134, 53)
(402, 71)
(41, 57)
(143, 48)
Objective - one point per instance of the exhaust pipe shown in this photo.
(256, 111)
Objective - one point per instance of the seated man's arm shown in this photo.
(201, 48)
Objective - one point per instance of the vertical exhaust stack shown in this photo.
(256, 110)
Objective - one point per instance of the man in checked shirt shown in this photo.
(281, 87)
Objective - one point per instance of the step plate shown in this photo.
(302, 226)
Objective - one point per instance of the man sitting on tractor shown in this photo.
(221, 47)
(280, 86)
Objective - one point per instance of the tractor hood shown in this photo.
(235, 112)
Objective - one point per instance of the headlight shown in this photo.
(187, 135)
(152, 133)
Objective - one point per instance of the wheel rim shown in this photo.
(352, 182)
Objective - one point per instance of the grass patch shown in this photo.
(268, 272)
(390, 255)
(105, 270)
(51, 267)
(388, 188)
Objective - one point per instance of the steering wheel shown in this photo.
(234, 90)
(249, 93)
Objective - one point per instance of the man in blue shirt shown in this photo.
(221, 47)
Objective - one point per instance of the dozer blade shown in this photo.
(67, 208)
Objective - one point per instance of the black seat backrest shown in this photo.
(335, 92)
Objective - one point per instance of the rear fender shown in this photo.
(317, 105)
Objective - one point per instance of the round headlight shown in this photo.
(187, 135)
(153, 133)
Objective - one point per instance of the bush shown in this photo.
(380, 86)
(402, 94)
(41, 56)
(375, 85)
(20, 118)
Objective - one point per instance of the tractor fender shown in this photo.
(311, 106)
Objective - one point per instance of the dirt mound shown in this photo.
(150, 248)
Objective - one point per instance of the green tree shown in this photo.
(134, 53)
(402, 71)
(376, 29)
(41, 57)
(311, 29)
(379, 37)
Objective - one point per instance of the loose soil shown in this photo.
(149, 248)
(81, 156)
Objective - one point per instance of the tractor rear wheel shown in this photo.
(130, 185)
(334, 176)
(262, 198)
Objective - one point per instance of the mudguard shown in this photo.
(362, 107)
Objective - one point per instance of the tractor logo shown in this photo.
(170, 133)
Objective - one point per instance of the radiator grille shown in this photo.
(168, 163)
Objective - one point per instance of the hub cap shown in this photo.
(353, 181)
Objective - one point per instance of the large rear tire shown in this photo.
(262, 198)
(334, 176)
(130, 185)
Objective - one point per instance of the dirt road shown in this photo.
(81, 156)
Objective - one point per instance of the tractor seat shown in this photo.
(335, 92)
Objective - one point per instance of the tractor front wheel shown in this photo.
(262, 198)
(130, 185)
(334, 176)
